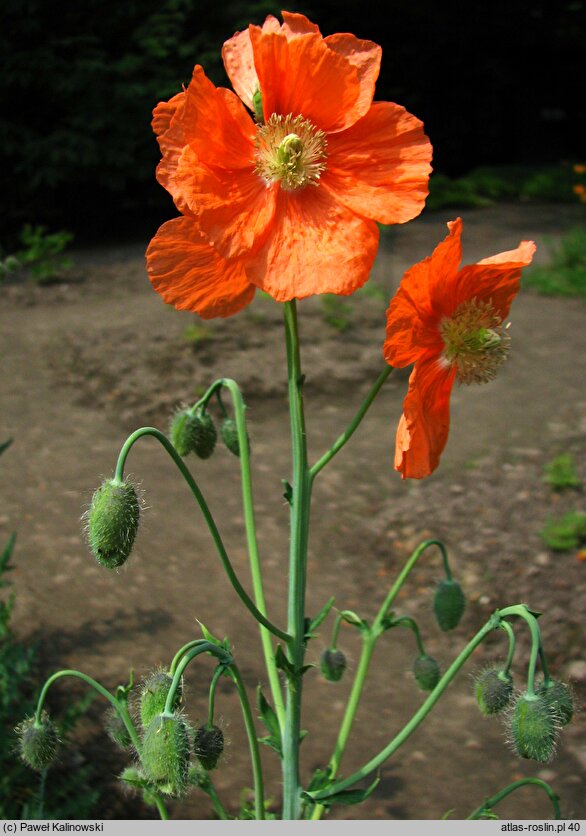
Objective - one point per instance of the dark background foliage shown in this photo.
(494, 83)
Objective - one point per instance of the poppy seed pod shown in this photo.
(153, 696)
(333, 665)
(165, 753)
(426, 672)
(533, 728)
(117, 730)
(559, 698)
(208, 745)
(112, 522)
(193, 433)
(494, 689)
(449, 604)
(38, 742)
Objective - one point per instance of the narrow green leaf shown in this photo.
(209, 636)
(320, 779)
(348, 797)
(318, 620)
(283, 663)
(268, 717)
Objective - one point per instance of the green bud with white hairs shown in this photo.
(533, 728)
(38, 741)
(112, 522)
(165, 753)
(153, 696)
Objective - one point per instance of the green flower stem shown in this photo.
(251, 536)
(369, 642)
(522, 611)
(210, 790)
(417, 718)
(299, 514)
(163, 814)
(259, 800)
(512, 641)
(213, 529)
(406, 621)
(336, 630)
(354, 424)
(204, 647)
(544, 667)
(120, 706)
(405, 572)
(212, 695)
(493, 800)
(181, 652)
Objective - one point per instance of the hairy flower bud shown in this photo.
(494, 689)
(116, 729)
(449, 604)
(533, 728)
(133, 778)
(559, 698)
(208, 745)
(112, 522)
(333, 664)
(230, 436)
(165, 753)
(153, 696)
(193, 433)
(38, 742)
(426, 672)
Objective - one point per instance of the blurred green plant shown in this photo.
(566, 533)
(25, 794)
(196, 334)
(565, 275)
(561, 473)
(41, 257)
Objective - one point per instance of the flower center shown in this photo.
(291, 151)
(474, 341)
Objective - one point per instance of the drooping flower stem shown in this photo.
(300, 510)
(494, 800)
(523, 612)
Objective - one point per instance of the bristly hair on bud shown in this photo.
(449, 604)
(494, 690)
(560, 699)
(165, 753)
(112, 522)
(116, 729)
(38, 742)
(426, 672)
(333, 664)
(533, 727)
(193, 433)
(153, 696)
(229, 434)
(208, 745)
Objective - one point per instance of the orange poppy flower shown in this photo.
(449, 322)
(286, 202)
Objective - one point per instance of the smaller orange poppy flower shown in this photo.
(449, 322)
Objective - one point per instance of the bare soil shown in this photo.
(86, 362)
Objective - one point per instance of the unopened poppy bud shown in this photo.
(449, 604)
(112, 522)
(559, 698)
(133, 778)
(38, 742)
(193, 433)
(230, 436)
(208, 745)
(153, 696)
(333, 665)
(533, 728)
(426, 672)
(165, 753)
(117, 730)
(494, 689)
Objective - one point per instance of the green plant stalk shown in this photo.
(522, 611)
(204, 647)
(163, 814)
(210, 790)
(212, 695)
(120, 707)
(259, 801)
(300, 510)
(181, 652)
(369, 642)
(213, 529)
(406, 621)
(493, 800)
(250, 527)
(349, 432)
(417, 718)
(512, 642)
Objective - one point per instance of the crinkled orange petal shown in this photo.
(495, 279)
(302, 75)
(423, 429)
(380, 166)
(168, 128)
(315, 245)
(365, 56)
(297, 24)
(235, 209)
(192, 276)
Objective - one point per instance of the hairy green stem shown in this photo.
(211, 524)
(494, 799)
(523, 612)
(259, 800)
(212, 695)
(354, 424)
(163, 814)
(299, 513)
(512, 642)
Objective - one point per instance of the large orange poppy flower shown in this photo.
(449, 322)
(286, 201)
